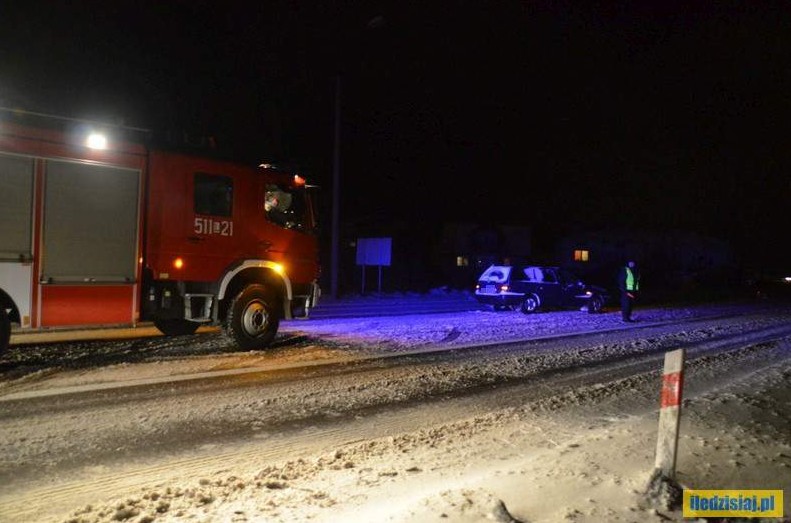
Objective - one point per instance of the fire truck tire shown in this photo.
(5, 330)
(252, 320)
(176, 327)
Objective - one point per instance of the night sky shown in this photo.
(557, 115)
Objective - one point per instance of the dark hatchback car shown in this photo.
(531, 288)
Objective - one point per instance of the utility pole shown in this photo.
(336, 189)
(374, 23)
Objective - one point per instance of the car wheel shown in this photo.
(595, 304)
(176, 327)
(252, 321)
(5, 329)
(530, 304)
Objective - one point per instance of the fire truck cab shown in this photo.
(227, 244)
(115, 233)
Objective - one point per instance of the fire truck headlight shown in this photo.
(178, 263)
(96, 141)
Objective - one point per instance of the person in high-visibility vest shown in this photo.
(629, 285)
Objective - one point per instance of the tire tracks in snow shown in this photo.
(732, 355)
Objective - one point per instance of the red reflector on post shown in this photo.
(671, 390)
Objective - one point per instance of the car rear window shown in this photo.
(496, 274)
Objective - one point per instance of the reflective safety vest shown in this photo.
(632, 283)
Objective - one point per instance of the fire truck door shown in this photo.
(213, 235)
(16, 231)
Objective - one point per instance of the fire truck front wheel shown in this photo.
(176, 327)
(5, 329)
(252, 321)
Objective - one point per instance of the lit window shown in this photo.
(462, 261)
(581, 255)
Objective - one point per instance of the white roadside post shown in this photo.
(667, 441)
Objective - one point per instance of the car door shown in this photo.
(570, 289)
(549, 289)
(519, 281)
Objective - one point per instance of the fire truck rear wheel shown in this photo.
(252, 321)
(5, 329)
(176, 327)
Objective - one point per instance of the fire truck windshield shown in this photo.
(286, 207)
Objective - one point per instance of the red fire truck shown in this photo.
(95, 231)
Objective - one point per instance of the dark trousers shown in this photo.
(626, 306)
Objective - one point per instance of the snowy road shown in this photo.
(161, 425)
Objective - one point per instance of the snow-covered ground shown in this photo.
(578, 453)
